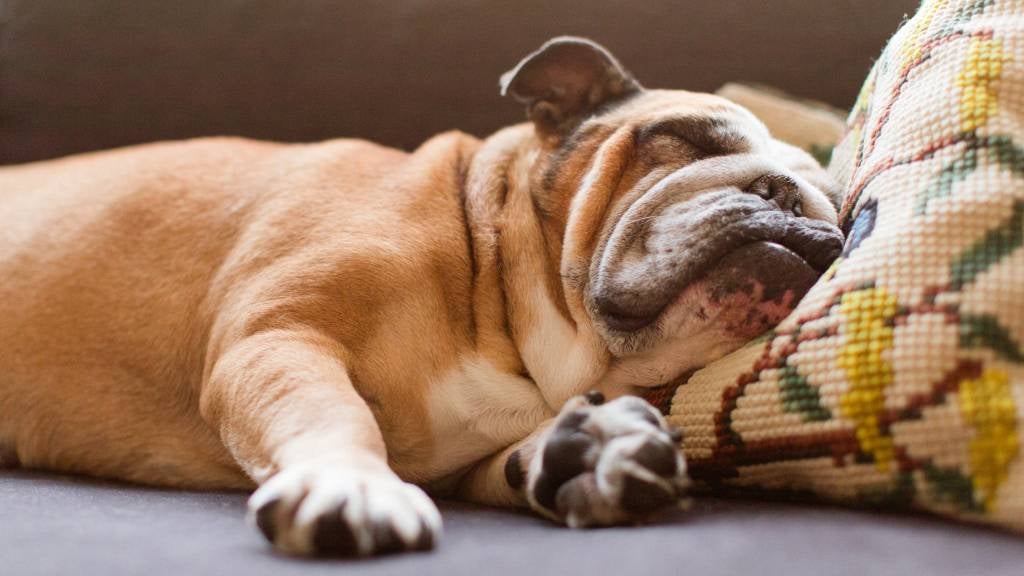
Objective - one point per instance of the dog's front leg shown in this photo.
(285, 407)
(594, 464)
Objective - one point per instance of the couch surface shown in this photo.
(53, 525)
(89, 74)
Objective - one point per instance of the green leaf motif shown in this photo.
(799, 397)
(973, 9)
(822, 153)
(964, 14)
(898, 494)
(995, 246)
(950, 485)
(1000, 149)
(984, 331)
(950, 174)
(1006, 153)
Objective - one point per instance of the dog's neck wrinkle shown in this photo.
(487, 203)
(521, 326)
(483, 204)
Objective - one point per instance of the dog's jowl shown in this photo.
(346, 327)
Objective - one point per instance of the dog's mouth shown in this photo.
(752, 272)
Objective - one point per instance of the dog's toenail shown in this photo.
(426, 538)
(333, 536)
(386, 539)
(571, 422)
(265, 519)
(595, 397)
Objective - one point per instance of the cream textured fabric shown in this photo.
(813, 126)
(899, 380)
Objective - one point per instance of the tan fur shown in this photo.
(207, 313)
(143, 288)
(146, 287)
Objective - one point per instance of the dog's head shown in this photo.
(682, 228)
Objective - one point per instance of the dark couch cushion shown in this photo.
(93, 74)
(52, 525)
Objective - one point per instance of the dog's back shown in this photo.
(115, 266)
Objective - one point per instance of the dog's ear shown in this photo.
(565, 81)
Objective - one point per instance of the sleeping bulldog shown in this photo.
(344, 326)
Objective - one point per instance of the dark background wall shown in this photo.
(85, 74)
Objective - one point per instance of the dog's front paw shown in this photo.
(333, 511)
(605, 464)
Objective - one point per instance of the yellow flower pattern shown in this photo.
(868, 337)
(983, 67)
(986, 404)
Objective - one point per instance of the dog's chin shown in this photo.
(756, 286)
(744, 294)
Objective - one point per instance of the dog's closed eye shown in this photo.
(709, 135)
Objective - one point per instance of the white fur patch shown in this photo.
(563, 360)
(476, 410)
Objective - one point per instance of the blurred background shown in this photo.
(80, 75)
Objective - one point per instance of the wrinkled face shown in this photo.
(712, 234)
(686, 229)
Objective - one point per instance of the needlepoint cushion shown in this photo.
(898, 382)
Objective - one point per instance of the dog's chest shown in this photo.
(476, 409)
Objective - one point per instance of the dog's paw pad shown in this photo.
(329, 512)
(607, 464)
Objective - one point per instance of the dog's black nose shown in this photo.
(780, 189)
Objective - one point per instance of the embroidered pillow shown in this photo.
(899, 380)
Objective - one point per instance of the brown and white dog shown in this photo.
(339, 322)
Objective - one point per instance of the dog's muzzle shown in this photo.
(750, 250)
